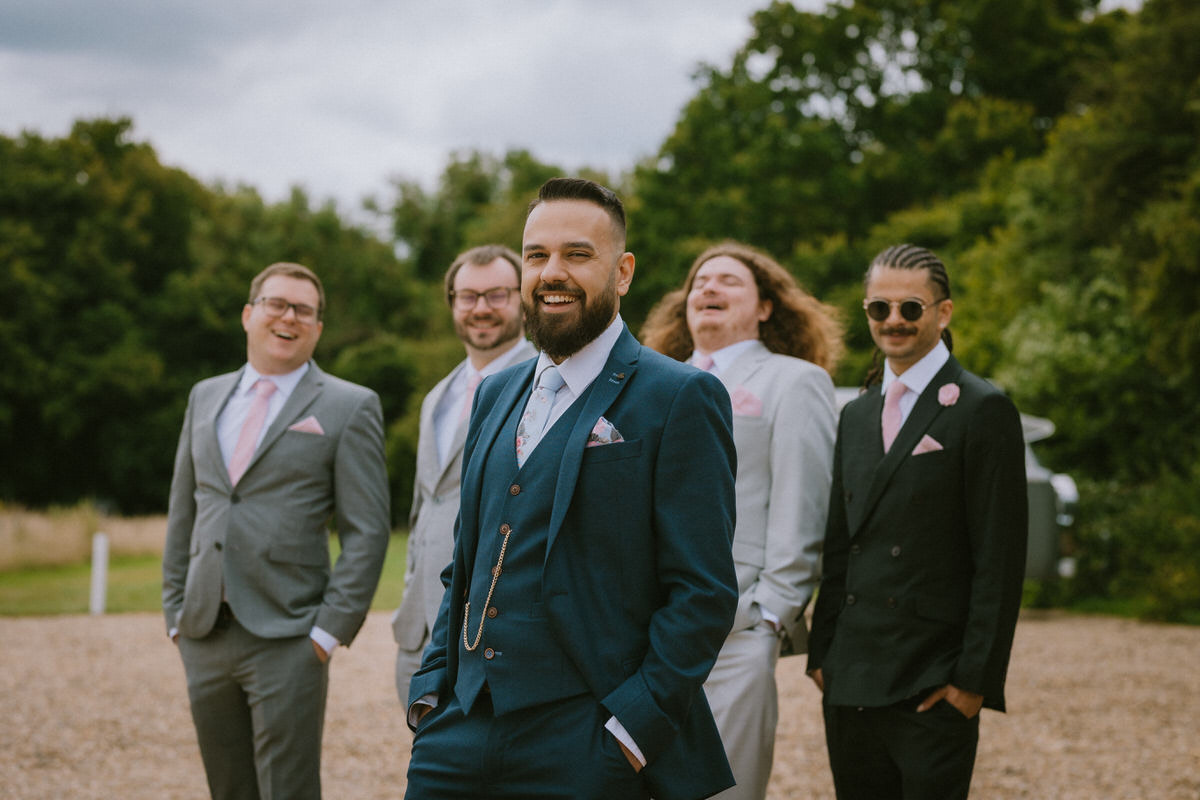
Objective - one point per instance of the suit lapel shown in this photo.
(428, 463)
(306, 391)
(212, 442)
(485, 437)
(919, 419)
(744, 368)
(608, 385)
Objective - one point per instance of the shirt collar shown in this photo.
(580, 369)
(496, 364)
(918, 376)
(724, 358)
(284, 384)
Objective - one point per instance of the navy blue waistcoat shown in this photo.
(518, 656)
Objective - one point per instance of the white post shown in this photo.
(99, 573)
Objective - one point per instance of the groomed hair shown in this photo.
(589, 191)
(799, 325)
(909, 256)
(480, 257)
(292, 271)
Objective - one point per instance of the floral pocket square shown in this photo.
(746, 403)
(928, 444)
(308, 425)
(604, 432)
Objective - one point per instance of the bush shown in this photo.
(1138, 544)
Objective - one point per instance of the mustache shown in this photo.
(897, 330)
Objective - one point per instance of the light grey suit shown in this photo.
(784, 423)
(431, 529)
(263, 546)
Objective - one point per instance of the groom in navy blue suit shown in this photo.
(592, 583)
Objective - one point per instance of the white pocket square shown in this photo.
(928, 444)
(308, 425)
(604, 432)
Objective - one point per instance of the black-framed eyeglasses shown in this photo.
(496, 297)
(277, 307)
(911, 310)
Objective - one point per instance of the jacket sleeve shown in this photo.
(693, 518)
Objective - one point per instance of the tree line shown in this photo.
(1049, 152)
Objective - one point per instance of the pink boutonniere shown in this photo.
(948, 394)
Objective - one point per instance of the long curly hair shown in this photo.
(799, 325)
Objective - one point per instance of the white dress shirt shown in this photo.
(916, 377)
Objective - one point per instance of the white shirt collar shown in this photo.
(918, 376)
(496, 364)
(580, 369)
(725, 358)
(284, 384)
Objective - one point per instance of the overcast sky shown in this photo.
(341, 96)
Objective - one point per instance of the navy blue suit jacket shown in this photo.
(638, 580)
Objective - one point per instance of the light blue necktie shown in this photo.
(537, 413)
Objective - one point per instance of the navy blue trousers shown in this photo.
(554, 750)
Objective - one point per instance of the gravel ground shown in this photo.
(1100, 709)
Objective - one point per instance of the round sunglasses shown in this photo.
(911, 310)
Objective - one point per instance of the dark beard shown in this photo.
(560, 339)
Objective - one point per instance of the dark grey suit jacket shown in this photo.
(265, 542)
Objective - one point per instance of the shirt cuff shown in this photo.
(618, 730)
(327, 641)
(769, 617)
(430, 700)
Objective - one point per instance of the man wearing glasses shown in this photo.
(924, 551)
(483, 292)
(267, 457)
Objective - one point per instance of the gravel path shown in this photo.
(95, 708)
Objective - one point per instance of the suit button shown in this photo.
(895, 551)
(489, 654)
(506, 529)
(891, 603)
(855, 549)
(514, 490)
(851, 599)
(849, 496)
(218, 546)
(233, 498)
(492, 612)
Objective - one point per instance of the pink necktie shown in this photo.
(472, 384)
(891, 413)
(703, 362)
(248, 438)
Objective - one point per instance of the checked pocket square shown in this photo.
(604, 432)
(308, 425)
(928, 444)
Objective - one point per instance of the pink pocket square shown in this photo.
(308, 425)
(604, 432)
(746, 403)
(928, 444)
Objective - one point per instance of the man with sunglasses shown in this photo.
(924, 551)
(268, 455)
(483, 291)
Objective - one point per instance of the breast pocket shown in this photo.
(611, 452)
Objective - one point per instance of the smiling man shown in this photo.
(483, 290)
(592, 583)
(924, 551)
(267, 456)
(741, 316)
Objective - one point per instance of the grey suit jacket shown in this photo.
(265, 543)
(431, 520)
(784, 423)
